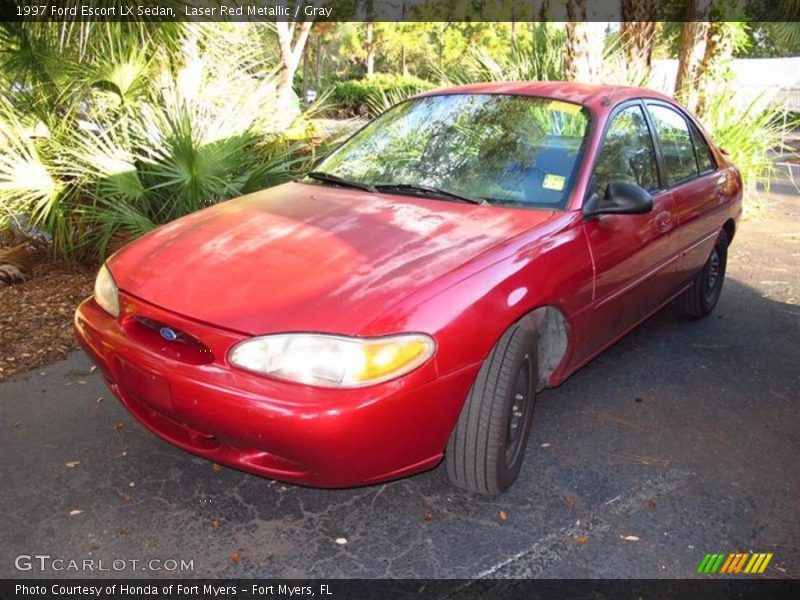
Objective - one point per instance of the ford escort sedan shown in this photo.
(404, 302)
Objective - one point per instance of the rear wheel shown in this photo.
(700, 299)
(487, 446)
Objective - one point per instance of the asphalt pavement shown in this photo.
(682, 439)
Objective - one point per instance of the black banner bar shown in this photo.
(387, 10)
(382, 589)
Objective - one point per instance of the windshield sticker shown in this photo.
(567, 107)
(553, 182)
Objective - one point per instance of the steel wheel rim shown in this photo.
(520, 407)
(713, 274)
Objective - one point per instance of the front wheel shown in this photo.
(487, 446)
(700, 299)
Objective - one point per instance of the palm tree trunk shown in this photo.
(687, 82)
(719, 48)
(584, 52)
(637, 34)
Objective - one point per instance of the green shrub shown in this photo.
(360, 97)
(127, 143)
(750, 134)
(538, 57)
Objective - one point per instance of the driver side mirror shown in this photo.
(619, 199)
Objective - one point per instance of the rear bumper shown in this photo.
(293, 433)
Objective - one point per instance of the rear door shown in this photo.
(696, 185)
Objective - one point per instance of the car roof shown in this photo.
(590, 95)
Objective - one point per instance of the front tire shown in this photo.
(700, 299)
(487, 446)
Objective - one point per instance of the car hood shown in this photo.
(308, 257)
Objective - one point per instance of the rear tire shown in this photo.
(700, 299)
(487, 446)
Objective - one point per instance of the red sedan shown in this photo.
(407, 299)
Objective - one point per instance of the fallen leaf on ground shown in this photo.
(126, 497)
(645, 460)
(123, 532)
(427, 517)
(503, 515)
(581, 539)
(119, 426)
(569, 500)
(625, 423)
(215, 523)
(236, 558)
(651, 503)
(74, 513)
(73, 463)
(17, 423)
(629, 538)
(216, 467)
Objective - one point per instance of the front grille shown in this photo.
(184, 346)
(180, 336)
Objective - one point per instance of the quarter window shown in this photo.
(627, 155)
(677, 147)
(704, 159)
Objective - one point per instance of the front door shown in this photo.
(633, 254)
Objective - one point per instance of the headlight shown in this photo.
(331, 360)
(106, 293)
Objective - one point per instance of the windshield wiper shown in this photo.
(336, 180)
(429, 190)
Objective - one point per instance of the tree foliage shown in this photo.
(107, 131)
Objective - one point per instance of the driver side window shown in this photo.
(627, 155)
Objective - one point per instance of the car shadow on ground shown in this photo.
(680, 439)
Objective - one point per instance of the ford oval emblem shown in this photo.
(168, 334)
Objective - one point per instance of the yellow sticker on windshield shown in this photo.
(553, 182)
(567, 107)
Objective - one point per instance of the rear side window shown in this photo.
(627, 154)
(704, 159)
(677, 147)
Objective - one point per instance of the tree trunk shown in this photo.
(304, 95)
(692, 51)
(719, 48)
(637, 34)
(291, 47)
(584, 52)
(318, 63)
(370, 47)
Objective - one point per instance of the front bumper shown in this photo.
(285, 431)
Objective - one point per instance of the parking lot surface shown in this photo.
(682, 439)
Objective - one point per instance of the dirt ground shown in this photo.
(36, 316)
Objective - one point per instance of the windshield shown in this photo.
(512, 150)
